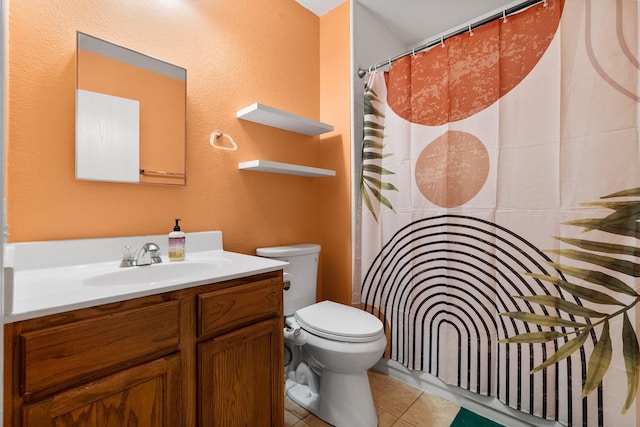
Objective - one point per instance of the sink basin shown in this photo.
(152, 274)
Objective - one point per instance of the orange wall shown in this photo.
(335, 153)
(236, 52)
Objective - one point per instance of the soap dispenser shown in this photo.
(176, 243)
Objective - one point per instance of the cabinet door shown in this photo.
(241, 377)
(143, 396)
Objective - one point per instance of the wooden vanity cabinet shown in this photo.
(210, 355)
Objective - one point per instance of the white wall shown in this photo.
(371, 43)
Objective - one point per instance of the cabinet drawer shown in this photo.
(62, 354)
(228, 308)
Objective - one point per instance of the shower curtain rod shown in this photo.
(468, 28)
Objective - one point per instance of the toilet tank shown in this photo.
(301, 273)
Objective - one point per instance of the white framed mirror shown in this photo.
(130, 115)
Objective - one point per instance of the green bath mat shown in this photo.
(466, 418)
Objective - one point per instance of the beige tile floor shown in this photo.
(397, 404)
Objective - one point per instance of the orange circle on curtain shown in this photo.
(470, 73)
(452, 169)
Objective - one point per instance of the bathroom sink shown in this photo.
(153, 274)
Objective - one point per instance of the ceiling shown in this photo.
(415, 21)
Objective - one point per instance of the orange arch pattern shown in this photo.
(471, 72)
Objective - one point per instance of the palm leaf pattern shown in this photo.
(623, 221)
(371, 175)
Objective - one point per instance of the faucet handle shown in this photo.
(127, 257)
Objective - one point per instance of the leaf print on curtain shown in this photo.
(623, 221)
(372, 174)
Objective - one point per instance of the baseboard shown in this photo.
(488, 407)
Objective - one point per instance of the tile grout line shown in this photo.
(407, 410)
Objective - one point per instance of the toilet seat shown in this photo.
(339, 322)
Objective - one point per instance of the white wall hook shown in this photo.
(214, 140)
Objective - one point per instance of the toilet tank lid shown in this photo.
(290, 250)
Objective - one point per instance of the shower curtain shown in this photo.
(497, 234)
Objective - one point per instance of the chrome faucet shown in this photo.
(149, 254)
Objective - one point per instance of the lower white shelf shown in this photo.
(284, 168)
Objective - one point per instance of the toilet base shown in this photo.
(301, 395)
(302, 387)
(344, 400)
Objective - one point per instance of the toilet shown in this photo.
(328, 346)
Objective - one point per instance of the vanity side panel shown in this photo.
(12, 366)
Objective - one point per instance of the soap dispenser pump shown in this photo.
(176, 243)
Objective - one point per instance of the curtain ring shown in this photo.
(389, 62)
(545, 3)
(504, 16)
(470, 31)
(413, 53)
(442, 41)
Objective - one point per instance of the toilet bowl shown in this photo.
(328, 346)
(330, 380)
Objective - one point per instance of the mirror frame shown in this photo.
(111, 109)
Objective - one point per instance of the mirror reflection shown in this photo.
(130, 115)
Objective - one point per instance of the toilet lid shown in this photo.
(339, 322)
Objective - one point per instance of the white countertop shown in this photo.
(56, 284)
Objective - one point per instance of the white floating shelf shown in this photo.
(265, 115)
(284, 168)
